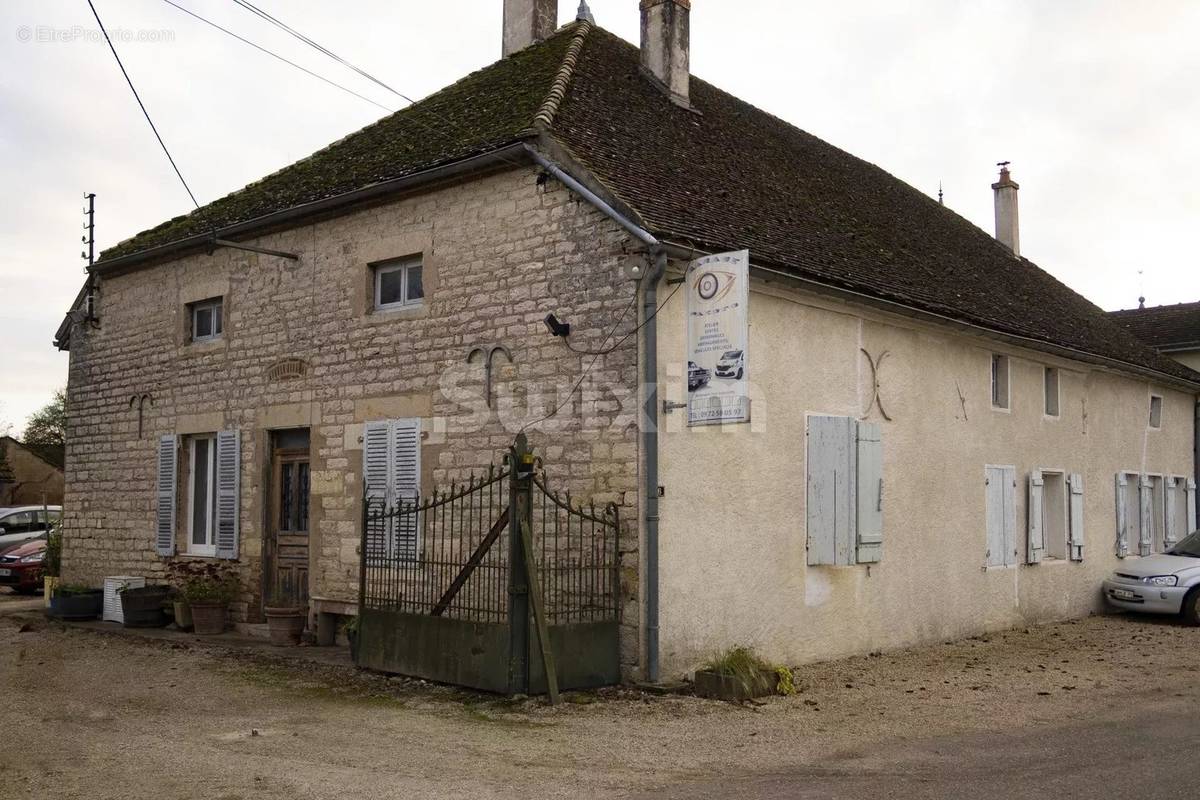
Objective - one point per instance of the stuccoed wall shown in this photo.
(733, 517)
(499, 254)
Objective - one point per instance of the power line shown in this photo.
(274, 55)
(142, 105)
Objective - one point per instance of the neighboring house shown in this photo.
(917, 386)
(30, 474)
(1173, 331)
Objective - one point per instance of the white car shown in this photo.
(732, 365)
(1164, 583)
(21, 523)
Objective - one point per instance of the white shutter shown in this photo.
(164, 518)
(830, 494)
(377, 482)
(1001, 511)
(406, 484)
(869, 522)
(1037, 530)
(1122, 517)
(1170, 516)
(1075, 509)
(1192, 522)
(229, 460)
(1146, 515)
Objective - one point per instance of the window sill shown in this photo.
(1000, 567)
(191, 555)
(378, 316)
(1001, 410)
(208, 346)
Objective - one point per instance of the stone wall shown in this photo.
(499, 253)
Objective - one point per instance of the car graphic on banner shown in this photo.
(718, 289)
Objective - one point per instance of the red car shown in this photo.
(21, 566)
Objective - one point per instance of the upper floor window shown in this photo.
(398, 284)
(1000, 395)
(1050, 382)
(1155, 411)
(208, 320)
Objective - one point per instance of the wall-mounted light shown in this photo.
(557, 328)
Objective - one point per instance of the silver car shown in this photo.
(21, 523)
(1165, 583)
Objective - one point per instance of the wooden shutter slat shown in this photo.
(869, 521)
(406, 483)
(1146, 517)
(1075, 510)
(1192, 522)
(1037, 531)
(229, 457)
(830, 505)
(1122, 516)
(377, 483)
(1171, 513)
(167, 470)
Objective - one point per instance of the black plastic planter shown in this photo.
(77, 605)
(143, 607)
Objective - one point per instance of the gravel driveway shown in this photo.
(102, 715)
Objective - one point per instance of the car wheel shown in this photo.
(739, 375)
(1191, 607)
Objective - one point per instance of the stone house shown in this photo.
(275, 329)
(30, 474)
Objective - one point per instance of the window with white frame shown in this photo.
(1155, 411)
(202, 495)
(398, 284)
(208, 320)
(1000, 370)
(1051, 391)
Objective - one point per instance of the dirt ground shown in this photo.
(104, 715)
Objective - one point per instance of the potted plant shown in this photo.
(739, 674)
(142, 606)
(285, 620)
(207, 589)
(350, 628)
(71, 601)
(52, 563)
(180, 608)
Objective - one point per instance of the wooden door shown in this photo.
(289, 527)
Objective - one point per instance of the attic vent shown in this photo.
(287, 369)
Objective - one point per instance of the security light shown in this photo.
(557, 328)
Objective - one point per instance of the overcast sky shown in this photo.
(1094, 103)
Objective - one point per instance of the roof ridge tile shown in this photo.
(544, 117)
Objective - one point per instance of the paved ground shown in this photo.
(1101, 708)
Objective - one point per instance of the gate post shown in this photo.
(521, 513)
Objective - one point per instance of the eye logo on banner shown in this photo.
(717, 334)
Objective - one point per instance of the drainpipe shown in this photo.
(1196, 456)
(650, 405)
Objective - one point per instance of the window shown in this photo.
(1000, 393)
(1181, 509)
(1155, 411)
(392, 476)
(1001, 511)
(208, 321)
(20, 522)
(202, 496)
(398, 285)
(1049, 516)
(1050, 384)
(844, 504)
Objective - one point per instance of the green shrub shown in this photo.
(204, 582)
(752, 672)
(52, 565)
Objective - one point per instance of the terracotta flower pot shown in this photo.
(208, 619)
(285, 624)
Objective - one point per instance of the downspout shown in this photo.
(650, 404)
(1196, 456)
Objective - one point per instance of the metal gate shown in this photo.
(495, 584)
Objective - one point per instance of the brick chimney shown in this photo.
(528, 22)
(665, 45)
(1007, 229)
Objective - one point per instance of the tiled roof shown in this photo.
(725, 175)
(1169, 327)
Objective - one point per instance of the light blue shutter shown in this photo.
(994, 508)
(1037, 531)
(1146, 515)
(1122, 516)
(1192, 522)
(229, 459)
(831, 480)
(164, 517)
(377, 482)
(406, 484)
(1075, 509)
(1171, 516)
(869, 521)
(1010, 516)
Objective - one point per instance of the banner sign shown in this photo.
(718, 291)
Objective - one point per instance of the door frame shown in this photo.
(274, 476)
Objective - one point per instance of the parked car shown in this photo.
(732, 365)
(21, 566)
(697, 376)
(21, 523)
(1164, 583)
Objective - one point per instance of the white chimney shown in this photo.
(665, 45)
(528, 22)
(1007, 229)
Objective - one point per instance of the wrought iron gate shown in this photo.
(495, 584)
